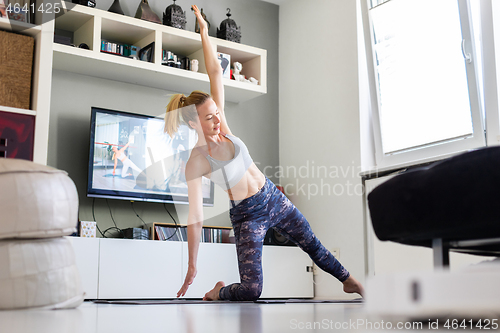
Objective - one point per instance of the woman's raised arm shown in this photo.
(214, 70)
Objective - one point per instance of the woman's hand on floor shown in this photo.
(190, 275)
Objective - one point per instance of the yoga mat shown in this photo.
(300, 300)
(198, 301)
(118, 176)
(164, 301)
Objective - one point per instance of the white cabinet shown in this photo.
(141, 269)
(286, 273)
(87, 261)
(216, 262)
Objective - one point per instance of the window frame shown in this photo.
(432, 151)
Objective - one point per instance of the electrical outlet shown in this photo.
(336, 252)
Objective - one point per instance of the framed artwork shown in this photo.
(16, 135)
(18, 10)
(3, 13)
(147, 52)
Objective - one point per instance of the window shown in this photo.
(425, 68)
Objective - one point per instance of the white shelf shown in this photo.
(91, 26)
(17, 110)
(116, 68)
(18, 26)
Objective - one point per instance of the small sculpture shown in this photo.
(236, 73)
(229, 30)
(174, 17)
(116, 8)
(144, 12)
(237, 67)
(194, 65)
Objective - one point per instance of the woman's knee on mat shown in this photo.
(251, 292)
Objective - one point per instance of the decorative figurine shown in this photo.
(237, 67)
(194, 65)
(236, 73)
(144, 12)
(116, 8)
(174, 17)
(229, 30)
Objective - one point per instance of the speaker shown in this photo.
(275, 238)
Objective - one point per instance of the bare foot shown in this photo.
(351, 285)
(213, 294)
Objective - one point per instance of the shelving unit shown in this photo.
(41, 78)
(91, 26)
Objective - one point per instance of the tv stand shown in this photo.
(145, 269)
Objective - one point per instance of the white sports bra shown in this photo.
(227, 174)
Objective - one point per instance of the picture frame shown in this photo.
(225, 62)
(3, 13)
(17, 13)
(147, 53)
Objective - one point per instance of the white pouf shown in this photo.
(36, 201)
(39, 273)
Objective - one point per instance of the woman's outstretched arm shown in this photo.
(214, 70)
(194, 223)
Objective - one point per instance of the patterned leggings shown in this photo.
(251, 218)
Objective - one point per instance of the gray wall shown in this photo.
(255, 121)
(319, 129)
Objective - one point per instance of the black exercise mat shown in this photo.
(164, 301)
(302, 300)
(199, 301)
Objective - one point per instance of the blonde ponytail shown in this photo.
(173, 116)
(178, 105)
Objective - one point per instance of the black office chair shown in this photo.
(453, 205)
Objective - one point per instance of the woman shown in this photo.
(256, 203)
(119, 154)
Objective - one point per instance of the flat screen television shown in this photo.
(131, 158)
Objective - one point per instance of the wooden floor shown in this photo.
(210, 317)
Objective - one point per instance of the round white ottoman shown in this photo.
(39, 273)
(36, 201)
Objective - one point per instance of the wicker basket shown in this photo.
(16, 63)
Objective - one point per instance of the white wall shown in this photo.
(319, 127)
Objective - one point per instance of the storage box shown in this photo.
(16, 64)
(88, 229)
